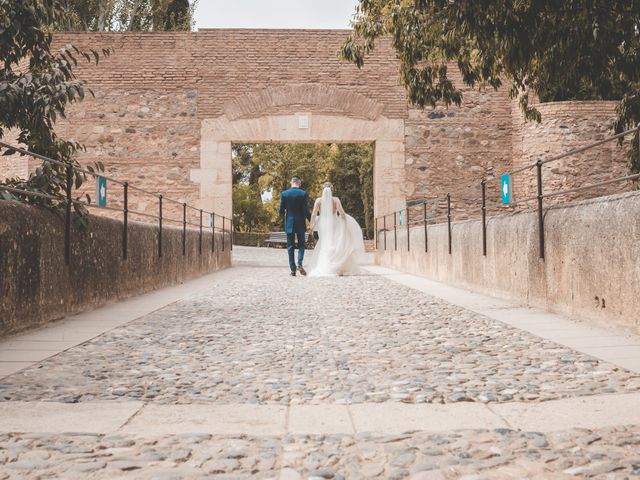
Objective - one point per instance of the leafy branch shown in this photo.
(37, 85)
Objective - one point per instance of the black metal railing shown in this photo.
(438, 210)
(126, 211)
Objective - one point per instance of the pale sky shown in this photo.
(274, 13)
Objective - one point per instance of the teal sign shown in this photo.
(506, 190)
(400, 217)
(101, 191)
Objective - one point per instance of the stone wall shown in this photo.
(156, 91)
(590, 270)
(149, 115)
(567, 126)
(168, 106)
(37, 287)
(450, 151)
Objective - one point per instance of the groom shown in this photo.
(294, 205)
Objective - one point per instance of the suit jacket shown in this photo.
(294, 205)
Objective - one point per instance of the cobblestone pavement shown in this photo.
(468, 455)
(262, 337)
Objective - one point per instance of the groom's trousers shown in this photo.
(291, 246)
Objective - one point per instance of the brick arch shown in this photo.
(316, 98)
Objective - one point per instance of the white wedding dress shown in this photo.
(340, 246)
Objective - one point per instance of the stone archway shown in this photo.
(301, 114)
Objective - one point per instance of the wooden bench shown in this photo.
(280, 238)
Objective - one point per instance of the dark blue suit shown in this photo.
(294, 205)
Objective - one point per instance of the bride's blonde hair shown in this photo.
(327, 185)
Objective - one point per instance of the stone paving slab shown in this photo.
(379, 418)
(53, 417)
(583, 412)
(212, 419)
(323, 419)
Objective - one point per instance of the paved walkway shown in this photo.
(255, 374)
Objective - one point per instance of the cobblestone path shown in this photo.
(261, 337)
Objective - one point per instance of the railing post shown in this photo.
(67, 217)
(483, 186)
(231, 234)
(426, 238)
(200, 237)
(213, 232)
(375, 233)
(395, 230)
(223, 219)
(540, 212)
(160, 226)
(449, 219)
(125, 220)
(184, 229)
(408, 231)
(384, 221)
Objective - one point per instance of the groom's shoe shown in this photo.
(293, 274)
(302, 271)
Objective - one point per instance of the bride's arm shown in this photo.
(314, 214)
(340, 209)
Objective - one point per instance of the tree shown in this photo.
(249, 213)
(280, 162)
(267, 168)
(351, 174)
(366, 182)
(246, 168)
(127, 15)
(36, 87)
(558, 50)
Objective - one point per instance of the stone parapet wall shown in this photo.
(37, 287)
(590, 270)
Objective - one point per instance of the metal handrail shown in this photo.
(22, 191)
(485, 203)
(594, 185)
(69, 201)
(588, 147)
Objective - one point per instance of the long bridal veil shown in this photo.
(340, 246)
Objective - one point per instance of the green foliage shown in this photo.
(366, 183)
(246, 168)
(36, 87)
(126, 15)
(262, 168)
(249, 213)
(280, 162)
(559, 50)
(351, 174)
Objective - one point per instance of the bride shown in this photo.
(339, 245)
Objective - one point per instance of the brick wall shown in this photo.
(567, 126)
(14, 167)
(154, 91)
